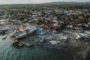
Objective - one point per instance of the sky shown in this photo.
(37, 1)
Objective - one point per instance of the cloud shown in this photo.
(39, 1)
(14, 1)
(36, 1)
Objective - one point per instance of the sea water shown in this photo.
(9, 52)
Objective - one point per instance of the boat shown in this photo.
(26, 44)
(4, 37)
(83, 36)
(19, 34)
(18, 44)
(3, 29)
(40, 31)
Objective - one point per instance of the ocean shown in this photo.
(9, 52)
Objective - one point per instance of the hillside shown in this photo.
(53, 4)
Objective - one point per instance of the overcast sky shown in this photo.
(37, 1)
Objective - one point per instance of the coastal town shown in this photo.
(45, 33)
(54, 26)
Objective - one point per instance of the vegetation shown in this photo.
(53, 4)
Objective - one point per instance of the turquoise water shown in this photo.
(8, 52)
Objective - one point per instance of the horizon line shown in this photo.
(49, 2)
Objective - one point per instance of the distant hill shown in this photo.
(66, 4)
(53, 4)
